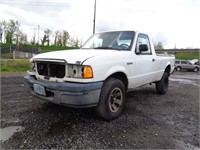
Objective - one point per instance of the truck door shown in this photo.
(145, 63)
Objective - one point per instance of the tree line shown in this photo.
(14, 35)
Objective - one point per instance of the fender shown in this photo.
(115, 69)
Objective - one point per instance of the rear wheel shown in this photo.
(162, 85)
(112, 99)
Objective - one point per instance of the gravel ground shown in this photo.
(152, 121)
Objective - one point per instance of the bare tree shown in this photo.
(48, 32)
(59, 40)
(11, 28)
(13, 34)
(33, 42)
(159, 46)
(46, 37)
(56, 37)
(3, 25)
(65, 38)
(22, 39)
(74, 42)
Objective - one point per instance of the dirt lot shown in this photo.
(150, 120)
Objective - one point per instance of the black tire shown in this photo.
(162, 85)
(196, 69)
(112, 99)
(178, 68)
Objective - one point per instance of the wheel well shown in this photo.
(168, 69)
(121, 76)
(178, 67)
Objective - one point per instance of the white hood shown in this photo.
(72, 56)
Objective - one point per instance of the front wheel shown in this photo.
(162, 85)
(196, 69)
(178, 68)
(112, 99)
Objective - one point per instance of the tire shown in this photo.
(162, 85)
(112, 99)
(196, 69)
(178, 68)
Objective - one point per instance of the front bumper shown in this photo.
(66, 93)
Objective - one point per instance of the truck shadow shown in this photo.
(63, 118)
(142, 96)
(71, 120)
(139, 98)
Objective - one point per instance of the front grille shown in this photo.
(51, 69)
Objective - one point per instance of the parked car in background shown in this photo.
(186, 65)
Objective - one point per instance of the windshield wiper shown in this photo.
(106, 47)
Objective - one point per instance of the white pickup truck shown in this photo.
(100, 73)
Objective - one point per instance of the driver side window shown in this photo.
(143, 39)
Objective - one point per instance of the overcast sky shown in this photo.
(168, 21)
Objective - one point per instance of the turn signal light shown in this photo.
(87, 72)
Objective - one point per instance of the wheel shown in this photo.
(178, 68)
(112, 99)
(162, 85)
(196, 69)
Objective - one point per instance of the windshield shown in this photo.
(118, 40)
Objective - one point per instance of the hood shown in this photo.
(194, 61)
(72, 56)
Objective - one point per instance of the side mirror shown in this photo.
(143, 47)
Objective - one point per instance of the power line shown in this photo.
(43, 3)
(40, 4)
(63, 3)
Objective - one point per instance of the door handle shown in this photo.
(153, 60)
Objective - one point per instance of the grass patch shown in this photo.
(17, 65)
(7, 55)
(187, 56)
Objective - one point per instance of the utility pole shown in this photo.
(34, 37)
(94, 21)
(1, 35)
(38, 34)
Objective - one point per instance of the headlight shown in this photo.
(33, 69)
(79, 71)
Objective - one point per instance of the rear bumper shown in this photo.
(66, 93)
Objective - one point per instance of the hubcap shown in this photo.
(115, 99)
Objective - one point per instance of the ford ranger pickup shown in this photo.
(100, 73)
